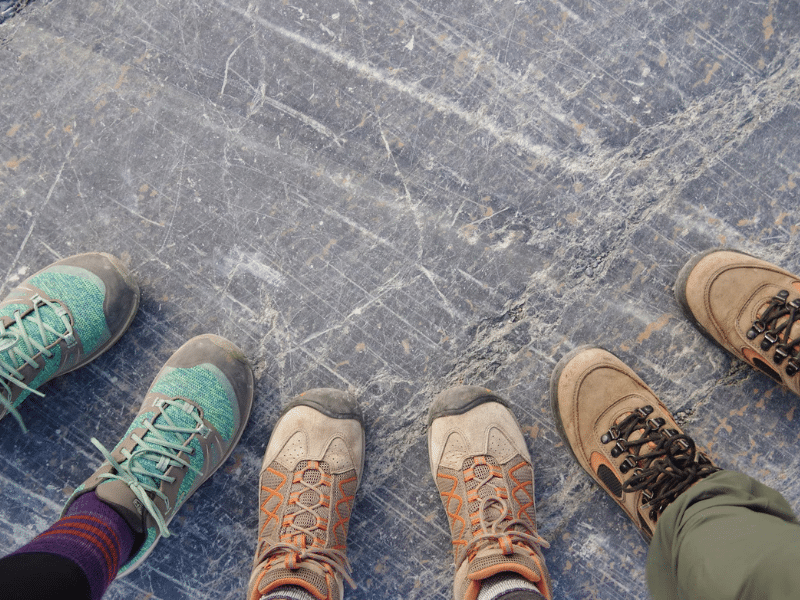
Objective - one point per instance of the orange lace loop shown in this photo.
(327, 559)
(299, 544)
(502, 530)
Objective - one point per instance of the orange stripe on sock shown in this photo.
(111, 544)
(83, 531)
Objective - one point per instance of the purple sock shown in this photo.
(93, 536)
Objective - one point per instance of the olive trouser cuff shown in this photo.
(728, 537)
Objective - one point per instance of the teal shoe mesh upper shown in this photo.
(8, 356)
(83, 293)
(155, 453)
(163, 434)
(206, 385)
(33, 329)
(149, 462)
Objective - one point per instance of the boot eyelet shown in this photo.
(757, 329)
(781, 353)
(792, 367)
(769, 339)
(618, 449)
(627, 464)
(611, 435)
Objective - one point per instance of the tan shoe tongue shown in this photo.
(118, 495)
(492, 561)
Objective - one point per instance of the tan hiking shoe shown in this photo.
(309, 477)
(622, 435)
(482, 467)
(749, 307)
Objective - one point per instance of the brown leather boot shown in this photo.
(749, 307)
(622, 435)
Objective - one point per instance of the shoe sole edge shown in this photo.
(439, 409)
(344, 412)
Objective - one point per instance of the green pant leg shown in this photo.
(728, 537)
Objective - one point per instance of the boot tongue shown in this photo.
(118, 495)
(491, 561)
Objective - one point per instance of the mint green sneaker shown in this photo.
(191, 419)
(59, 319)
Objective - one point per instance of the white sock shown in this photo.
(289, 592)
(497, 586)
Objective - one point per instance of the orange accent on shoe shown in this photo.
(273, 493)
(598, 459)
(458, 540)
(750, 354)
(523, 486)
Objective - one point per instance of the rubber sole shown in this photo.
(331, 402)
(460, 399)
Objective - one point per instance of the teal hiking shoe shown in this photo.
(60, 319)
(191, 419)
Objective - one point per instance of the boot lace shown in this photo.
(776, 325)
(145, 467)
(298, 541)
(497, 527)
(664, 462)
(19, 348)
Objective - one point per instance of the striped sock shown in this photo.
(93, 536)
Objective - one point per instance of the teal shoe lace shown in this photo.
(155, 448)
(18, 348)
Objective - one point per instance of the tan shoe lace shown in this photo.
(497, 527)
(299, 545)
